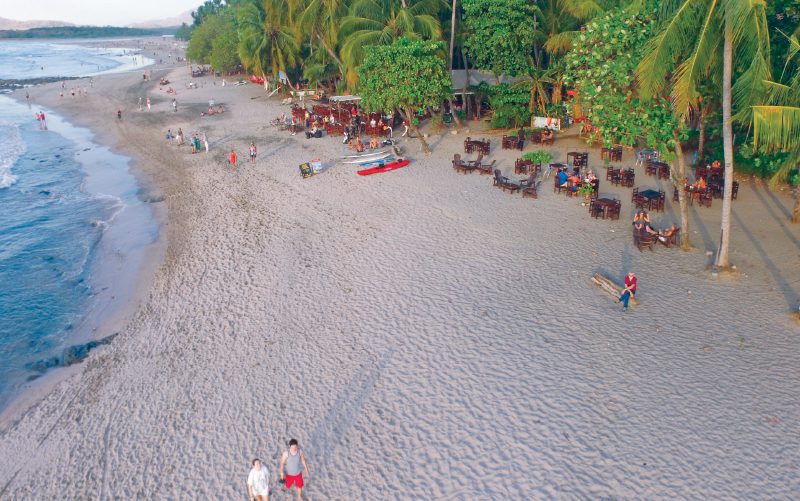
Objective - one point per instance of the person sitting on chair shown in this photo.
(665, 235)
(547, 135)
(359, 145)
(373, 143)
(313, 132)
(700, 184)
(563, 178)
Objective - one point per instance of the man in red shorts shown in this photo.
(291, 465)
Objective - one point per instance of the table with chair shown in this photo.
(476, 145)
(605, 207)
(653, 200)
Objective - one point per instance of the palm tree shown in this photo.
(691, 38)
(381, 22)
(776, 125)
(320, 20)
(267, 40)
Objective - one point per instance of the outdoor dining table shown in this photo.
(693, 192)
(652, 197)
(472, 145)
(605, 204)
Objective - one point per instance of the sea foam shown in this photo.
(11, 148)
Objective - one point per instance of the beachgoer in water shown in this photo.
(233, 158)
(119, 114)
(253, 153)
(258, 482)
(43, 123)
(290, 467)
(629, 291)
(174, 105)
(148, 104)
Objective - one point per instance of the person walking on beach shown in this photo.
(148, 104)
(140, 104)
(629, 291)
(174, 105)
(258, 482)
(119, 115)
(233, 158)
(290, 470)
(205, 141)
(42, 122)
(253, 153)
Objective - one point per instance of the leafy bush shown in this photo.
(510, 105)
(538, 157)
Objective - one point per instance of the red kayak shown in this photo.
(384, 167)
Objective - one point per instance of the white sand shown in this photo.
(424, 335)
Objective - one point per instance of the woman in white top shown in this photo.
(258, 482)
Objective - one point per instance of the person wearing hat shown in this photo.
(629, 290)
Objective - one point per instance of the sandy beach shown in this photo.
(422, 334)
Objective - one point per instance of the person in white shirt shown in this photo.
(258, 482)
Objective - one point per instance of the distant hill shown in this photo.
(185, 17)
(85, 32)
(10, 24)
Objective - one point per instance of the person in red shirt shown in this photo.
(629, 290)
(233, 158)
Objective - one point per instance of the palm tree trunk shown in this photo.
(332, 54)
(677, 182)
(452, 33)
(701, 141)
(408, 116)
(723, 260)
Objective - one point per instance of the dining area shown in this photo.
(476, 146)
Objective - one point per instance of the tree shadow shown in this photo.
(777, 274)
(782, 221)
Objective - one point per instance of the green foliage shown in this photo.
(602, 66)
(184, 32)
(200, 45)
(84, 32)
(501, 34)
(509, 103)
(405, 75)
(208, 9)
(759, 163)
(538, 157)
(224, 56)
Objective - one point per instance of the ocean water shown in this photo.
(74, 234)
(31, 59)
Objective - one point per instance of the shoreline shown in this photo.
(112, 306)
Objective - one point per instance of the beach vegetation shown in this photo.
(407, 76)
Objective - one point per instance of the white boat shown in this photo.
(368, 154)
(370, 158)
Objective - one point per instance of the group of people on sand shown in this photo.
(197, 142)
(641, 225)
(290, 472)
(575, 179)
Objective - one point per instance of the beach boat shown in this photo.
(378, 161)
(370, 158)
(368, 154)
(400, 162)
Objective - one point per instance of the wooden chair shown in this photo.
(613, 211)
(521, 166)
(504, 183)
(628, 178)
(615, 177)
(706, 198)
(634, 194)
(457, 161)
(557, 188)
(469, 146)
(650, 168)
(528, 187)
(596, 210)
(671, 240)
(486, 168)
(643, 241)
(509, 142)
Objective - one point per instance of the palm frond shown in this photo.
(776, 128)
